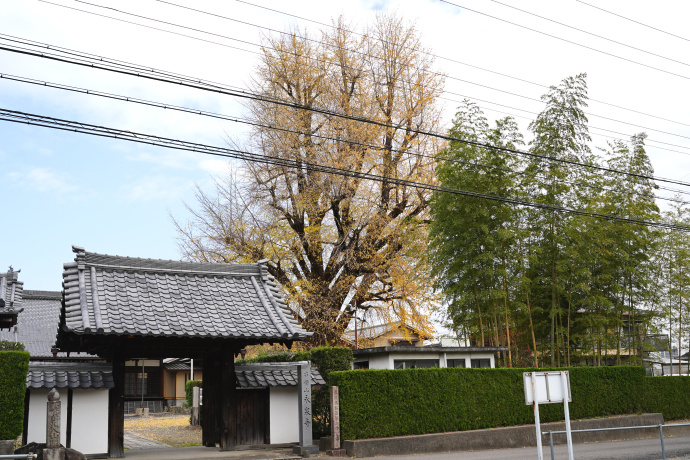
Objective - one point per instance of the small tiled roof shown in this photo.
(37, 324)
(113, 295)
(69, 375)
(377, 330)
(261, 375)
(181, 364)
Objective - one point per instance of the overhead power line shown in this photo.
(592, 34)
(481, 85)
(632, 20)
(445, 58)
(142, 138)
(235, 119)
(596, 50)
(103, 63)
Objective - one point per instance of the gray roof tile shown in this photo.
(37, 324)
(260, 375)
(125, 295)
(69, 375)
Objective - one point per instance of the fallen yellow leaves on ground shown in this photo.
(173, 430)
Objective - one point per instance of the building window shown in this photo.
(360, 365)
(456, 362)
(415, 363)
(481, 363)
(147, 383)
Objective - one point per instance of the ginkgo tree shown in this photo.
(337, 243)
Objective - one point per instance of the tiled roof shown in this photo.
(145, 297)
(181, 364)
(377, 330)
(37, 324)
(69, 375)
(260, 375)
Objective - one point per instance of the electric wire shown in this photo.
(632, 20)
(569, 41)
(103, 131)
(592, 34)
(369, 55)
(104, 63)
(235, 119)
(321, 60)
(483, 69)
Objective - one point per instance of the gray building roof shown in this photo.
(113, 295)
(262, 375)
(69, 375)
(37, 324)
(426, 350)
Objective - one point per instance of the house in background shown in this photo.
(425, 357)
(396, 334)
(82, 380)
(176, 373)
(401, 346)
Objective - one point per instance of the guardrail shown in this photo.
(660, 427)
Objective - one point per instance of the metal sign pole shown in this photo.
(569, 435)
(540, 454)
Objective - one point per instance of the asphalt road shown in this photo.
(676, 448)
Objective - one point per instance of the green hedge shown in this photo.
(14, 366)
(668, 395)
(384, 403)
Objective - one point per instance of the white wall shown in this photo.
(386, 360)
(38, 409)
(89, 419)
(379, 361)
(284, 415)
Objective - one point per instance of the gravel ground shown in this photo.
(171, 429)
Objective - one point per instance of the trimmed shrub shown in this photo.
(6, 345)
(188, 391)
(14, 366)
(668, 395)
(385, 403)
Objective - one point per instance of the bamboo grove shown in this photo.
(555, 288)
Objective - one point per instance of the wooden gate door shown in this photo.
(253, 416)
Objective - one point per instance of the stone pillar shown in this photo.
(195, 406)
(335, 418)
(335, 450)
(306, 445)
(53, 451)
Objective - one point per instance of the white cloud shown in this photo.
(164, 188)
(45, 180)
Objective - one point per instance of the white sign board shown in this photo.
(545, 388)
(549, 387)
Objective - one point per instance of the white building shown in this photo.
(425, 357)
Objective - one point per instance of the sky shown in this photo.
(110, 196)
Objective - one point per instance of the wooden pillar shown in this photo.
(210, 413)
(68, 428)
(116, 410)
(228, 400)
